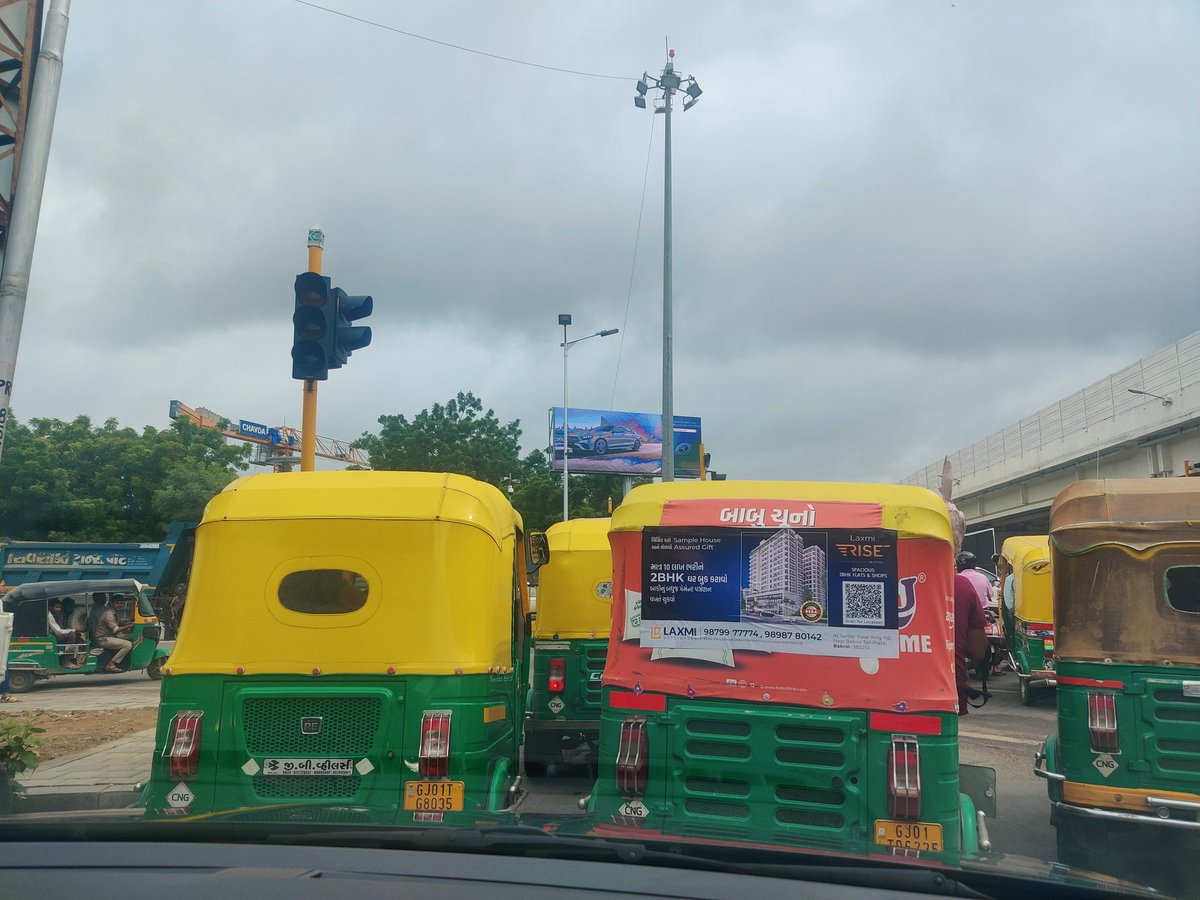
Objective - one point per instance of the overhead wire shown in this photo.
(422, 37)
(633, 268)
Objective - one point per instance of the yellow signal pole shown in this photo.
(308, 421)
(703, 470)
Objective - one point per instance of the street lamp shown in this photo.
(1166, 401)
(564, 320)
(668, 82)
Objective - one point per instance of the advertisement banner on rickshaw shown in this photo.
(823, 592)
(696, 614)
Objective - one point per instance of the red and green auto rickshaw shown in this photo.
(781, 669)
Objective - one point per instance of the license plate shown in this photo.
(309, 765)
(908, 835)
(433, 796)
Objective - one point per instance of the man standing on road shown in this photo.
(107, 629)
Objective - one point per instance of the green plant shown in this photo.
(18, 743)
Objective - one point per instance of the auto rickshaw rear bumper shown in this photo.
(1163, 816)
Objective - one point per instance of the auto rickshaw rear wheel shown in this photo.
(1028, 694)
(20, 681)
(154, 669)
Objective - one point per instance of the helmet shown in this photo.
(964, 560)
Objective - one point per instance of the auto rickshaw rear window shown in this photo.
(1182, 588)
(323, 592)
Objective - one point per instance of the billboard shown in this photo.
(622, 443)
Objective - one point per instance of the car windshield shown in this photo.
(858, 416)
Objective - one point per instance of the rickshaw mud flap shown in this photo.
(1111, 815)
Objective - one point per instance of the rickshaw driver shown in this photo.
(107, 629)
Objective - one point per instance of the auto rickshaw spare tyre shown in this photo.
(601, 447)
(20, 681)
(154, 669)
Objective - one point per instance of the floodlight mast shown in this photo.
(668, 82)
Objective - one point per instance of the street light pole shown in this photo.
(669, 82)
(564, 320)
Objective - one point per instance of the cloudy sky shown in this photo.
(899, 226)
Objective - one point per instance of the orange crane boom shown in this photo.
(287, 444)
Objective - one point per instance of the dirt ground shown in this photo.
(71, 732)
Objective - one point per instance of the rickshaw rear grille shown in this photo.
(718, 788)
(811, 818)
(800, 756)
(1179, 763)
(1172, 746)
(824, 796)
(307, 787)
(348, 728)
(724, 809)
(593, 663)
(718, 750)
(809, 735)
(718, 728)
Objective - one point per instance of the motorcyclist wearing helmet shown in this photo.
(965, 564)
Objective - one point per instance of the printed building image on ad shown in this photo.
(787, 580)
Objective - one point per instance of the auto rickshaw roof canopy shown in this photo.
(575, 587)
(413, 572)
(1134, 512)
(911, 511)
(366, 495)
(1028, 559)
(46, 590)
(1113, 545)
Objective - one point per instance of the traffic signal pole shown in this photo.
(308, 421)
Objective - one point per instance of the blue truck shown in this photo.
(157, 565)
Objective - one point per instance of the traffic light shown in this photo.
(315, 322)
(346, 337)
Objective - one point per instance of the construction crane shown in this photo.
(277, 446)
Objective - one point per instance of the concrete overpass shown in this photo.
(1140, 422)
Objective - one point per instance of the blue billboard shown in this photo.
(622, 443)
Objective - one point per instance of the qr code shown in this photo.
(862, 602)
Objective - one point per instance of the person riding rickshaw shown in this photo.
(353, 641)
(781, 669)
(1027, 613)
(1123, 771)
(57, 630)
(570, 643)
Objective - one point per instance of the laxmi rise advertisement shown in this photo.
(622, 443)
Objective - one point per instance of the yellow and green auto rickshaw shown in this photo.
(781, 670)
(1027, 613)
(37, 653)
(1123, 771)
(354, 642)
(570, 644)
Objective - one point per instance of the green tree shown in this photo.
(73, 481)
(457, 436)
(460, 436)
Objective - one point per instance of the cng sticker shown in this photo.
(556, 705)
(634, 809)
(1105, 764)
(181, 796)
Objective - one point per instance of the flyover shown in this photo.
(1140, 422)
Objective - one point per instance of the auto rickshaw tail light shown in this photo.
(904, 778)
(435, 744)
(633, 758)
(558, 674)
(184, 749)
(1102, 721)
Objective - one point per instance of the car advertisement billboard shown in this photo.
(623, 443)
